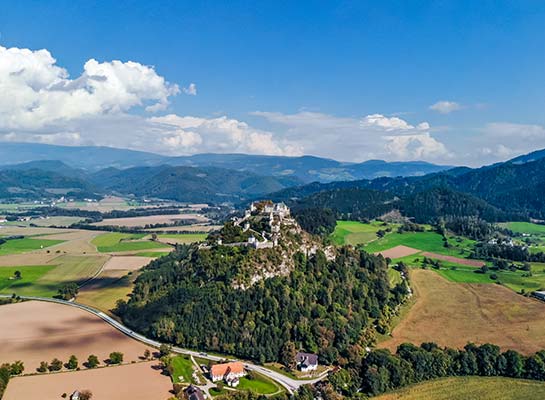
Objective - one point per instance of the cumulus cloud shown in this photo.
(445, 107)
(191, 89)
(357, 139)
(224, 134)
(40, 102)
(37, 93)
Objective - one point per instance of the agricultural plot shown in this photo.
(453, 314)
(47, 279)
(181, 238)
(106, 289)
(150, 220)
(9, 282)
(355, 233)
(120, 242)
(41, 331)
(144, 381)
(16, 246)
(470, 388)
(424, 241)
(46, 222)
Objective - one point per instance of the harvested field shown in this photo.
(76, 241)
(106, 289)
(26, 259)
(41, 331)
(150, 219)
(453, 314)
(141, 381)
(398, 252)
(457, 260)
(470, 388)
(128, 263)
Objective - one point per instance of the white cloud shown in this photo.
(223, 134)
(419, 146)
(191, 89)
(37, 93)
(357, 139)
(445, 107)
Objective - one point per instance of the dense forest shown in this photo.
(493, 192)
(188, 298)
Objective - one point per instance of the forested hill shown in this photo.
(188, 298)
(189, 184)
(513, 187)
(423, 207)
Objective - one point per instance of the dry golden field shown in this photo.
(37, 331)
(141, 381)
(453, 314)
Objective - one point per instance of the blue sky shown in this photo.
(347, 80)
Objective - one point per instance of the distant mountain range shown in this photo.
(515, 187)
(305, 168)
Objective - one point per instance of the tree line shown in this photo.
(381, 371)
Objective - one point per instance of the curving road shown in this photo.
(289, 383)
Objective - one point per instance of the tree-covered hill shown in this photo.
(324, 306)
(189, 184)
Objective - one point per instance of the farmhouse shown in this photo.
(306, 361)
(229, 372)
(193, 393)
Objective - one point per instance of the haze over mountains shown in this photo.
(305, 168)
(36, 171)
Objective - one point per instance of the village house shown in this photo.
(75, 396)
(228, 372)
(193, 393)
(306, 362)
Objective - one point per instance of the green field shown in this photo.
(115, 242)
(16, 246)
(354, 233)
(29, 274)
(64, 269)
(184, 237)
(425, 241)
(182, 367)
(152, 253)
(470, 388)
(258, 383)
(525, 227)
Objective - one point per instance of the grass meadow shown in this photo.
(24, 245)
(470, 388)
(118, 242)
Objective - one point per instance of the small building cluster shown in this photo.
(275, 215)
(229, 372)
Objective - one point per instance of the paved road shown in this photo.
(287, 382)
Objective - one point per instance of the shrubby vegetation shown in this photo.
(187, 298)
(489, 251)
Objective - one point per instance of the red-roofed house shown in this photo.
(230, 372)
